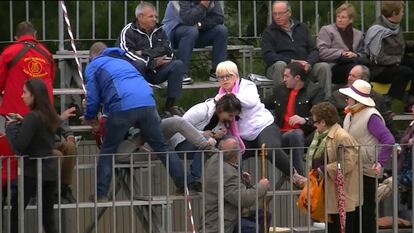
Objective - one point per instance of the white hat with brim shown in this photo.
(359, 91)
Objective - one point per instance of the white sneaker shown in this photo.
(187, 80)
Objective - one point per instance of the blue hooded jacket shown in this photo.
(115, 83)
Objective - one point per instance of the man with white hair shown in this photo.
(148, 48)
(285, 41)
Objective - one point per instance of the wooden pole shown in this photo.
(263, 175)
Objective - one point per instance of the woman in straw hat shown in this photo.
(367, 126)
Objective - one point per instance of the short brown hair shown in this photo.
(97, 49)
(389, 7)
(325, 111)
(348, 7)
(25, 28)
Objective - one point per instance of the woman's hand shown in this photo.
(377, 167)
(70, 112)
(13, 117)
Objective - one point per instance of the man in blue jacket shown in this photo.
(195, 24)
(127, 101)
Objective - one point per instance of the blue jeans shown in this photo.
(185, 38)
(117, 126)
(172, 72)
(195, 168)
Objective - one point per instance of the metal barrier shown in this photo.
(142, 197)
(248, 16)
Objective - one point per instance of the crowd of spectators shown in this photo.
(302, 114)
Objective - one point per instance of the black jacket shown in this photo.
(308, 96)
(277, 45)
(31, 138)
(155, 44)
(192, 12)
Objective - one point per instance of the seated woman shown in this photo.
(34, 136)
(341, 45)
(256, 124)
(328, 136)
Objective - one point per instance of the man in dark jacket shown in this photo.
(292, 102)
(286, 41)
(381, 104)
(196, 24)
(148, 48)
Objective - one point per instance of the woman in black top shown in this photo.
(33, 136)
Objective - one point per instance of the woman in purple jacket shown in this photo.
(367, 126)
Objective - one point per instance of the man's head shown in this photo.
(231, 149)
(146, 15)
(25, 28)
(358, 72)
(294, 75)
(393, 10)
(281, 13)
(96, 49)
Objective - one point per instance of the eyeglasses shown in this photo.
(224, 77)
(277, 14)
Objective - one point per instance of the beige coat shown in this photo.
(338, 136)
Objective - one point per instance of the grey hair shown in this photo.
(139, 10)
(365, 74)
(288, 7)
(231, 151)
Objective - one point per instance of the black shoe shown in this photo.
(66, 195)
(174, 110)
(196, 187)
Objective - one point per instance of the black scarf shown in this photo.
(347, 36)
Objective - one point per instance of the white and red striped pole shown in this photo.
(190, 212)
(72, 42)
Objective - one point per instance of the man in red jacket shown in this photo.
(22, 60)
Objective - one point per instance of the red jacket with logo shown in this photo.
(32, 64)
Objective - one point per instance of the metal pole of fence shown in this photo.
(39, 196)
(9, 196)
(361, 188)
(412, 186)
(77, 19)
(109, 19)
(220, 194)
(125, 11)
(61, 27)
(407, 16)
(291, 190)
(150, 191)
(43, 21)
(77, 194)
(331, 9)
(377, 8)
(113, 193)
(255, 18)
(269, 16)
(395, 190)
(131, 197)
(93, 20)
(11, 19)
(301, 10)
(59, 191)
(239, 17)
(256, 169)
(20, 193)
(316, 17)
(27, 11)
(239, 197)
(361, 3)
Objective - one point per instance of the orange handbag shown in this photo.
(317, 197)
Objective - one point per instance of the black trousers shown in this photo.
(49, 191)
(272, 137)
(398, 76)
(351, 225)
(368, 208)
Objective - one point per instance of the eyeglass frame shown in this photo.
(225, 77)
(276, 14)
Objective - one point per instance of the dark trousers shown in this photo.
(351, 225)
(340, 72)
(248, 224)
(172, 72)
(368, 208)
(398, 76)
(48, 192)
(186, 38)
(272, 137)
